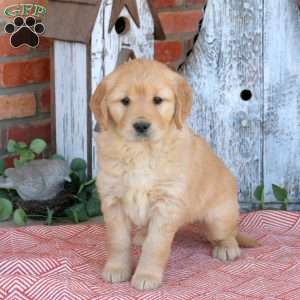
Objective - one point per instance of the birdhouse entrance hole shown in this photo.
(122, 25)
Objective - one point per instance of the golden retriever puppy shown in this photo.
(156, 174)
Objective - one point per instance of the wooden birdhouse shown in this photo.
(91, 37)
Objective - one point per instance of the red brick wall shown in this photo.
(25, 73)
(180, 20)
(24, 92)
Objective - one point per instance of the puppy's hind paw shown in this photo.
(226, 253)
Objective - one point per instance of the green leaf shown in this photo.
(2, 166)
(26, 155)
(260, 196)
(50, 213)
(78, 165)
(77, 213)
(6, 209)
(19, 163)
(57, 157)
(279, 193)
(11, 146)
(75, 183)
(82, 175)
(259, 193)
(21, 145)
(86, 184)
(4, 194)
(38, 146)
(20, 217)
(93, 205)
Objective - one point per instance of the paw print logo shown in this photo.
(25, 32)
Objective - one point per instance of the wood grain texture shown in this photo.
(106, 45)
(71, 99)
(97, 73)
(227, 59)
(282, 98)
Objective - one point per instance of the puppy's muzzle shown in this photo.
(142, 127)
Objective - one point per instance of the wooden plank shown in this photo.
(52, 99)
(227, 59)
(282, 97)
(97, 74)
(107, 46)
(71, 99)
(159, 33)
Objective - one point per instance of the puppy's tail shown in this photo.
(245, 241)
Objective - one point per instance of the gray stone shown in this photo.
(38, 180)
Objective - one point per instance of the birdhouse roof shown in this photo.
(73, 20)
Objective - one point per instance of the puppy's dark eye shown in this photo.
(157, 100)
(125, 101)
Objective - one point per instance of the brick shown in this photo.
(159, 4)
(180, 21)
(24, 72)
(195, 2)
(7, 50)
(168, 51)
(2, 138)
(45, 44)
(9, 161)
(45, 100)
(17, 106)
(27, 132)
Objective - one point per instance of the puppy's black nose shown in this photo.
(141, 127)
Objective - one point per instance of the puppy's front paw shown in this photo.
(146, 281)
(226, 253)
(116, 274)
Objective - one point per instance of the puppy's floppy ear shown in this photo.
(98, 105)
(183, 101)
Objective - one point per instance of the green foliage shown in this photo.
(2, 167)
(93, 205)
(82, 189)
(50, 213)
(259, 196)
(78, 167)
(11, 146)
(6, 209)
(38, 146)
(88, 202)
(280, 194)
(20, 217)
(77, 213)
(57, 157)
(24, 152)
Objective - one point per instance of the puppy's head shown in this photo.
(141, 100)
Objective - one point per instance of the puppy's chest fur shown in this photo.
(142, 180)
(138, 183)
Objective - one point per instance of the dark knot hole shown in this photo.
(246, 95)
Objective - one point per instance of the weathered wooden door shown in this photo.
(245, 73)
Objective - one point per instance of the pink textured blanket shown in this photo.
(64, 262)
